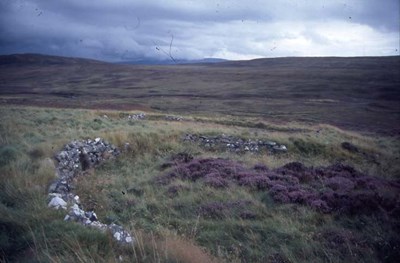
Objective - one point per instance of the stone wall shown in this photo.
(76, 157)
(234, 144)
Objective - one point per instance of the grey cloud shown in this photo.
(123, 30)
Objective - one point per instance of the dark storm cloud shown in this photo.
(124, 30)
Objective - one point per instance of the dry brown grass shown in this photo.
(183, 250)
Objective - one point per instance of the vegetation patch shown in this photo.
(8, 153)
(185, 203)
(336, 188)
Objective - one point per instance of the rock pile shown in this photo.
(173, 118)
(139, 116)
(73, 159)
(234, 144)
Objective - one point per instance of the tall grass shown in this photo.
(167, 224)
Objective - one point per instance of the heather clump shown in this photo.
(336, 188)
(259, 182)
(339, 183)
(261, 168)
(216, 181)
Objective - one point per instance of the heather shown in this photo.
(335, 188)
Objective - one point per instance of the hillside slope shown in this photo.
(355, 93)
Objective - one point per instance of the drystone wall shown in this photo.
(234, 144)
(76, 157)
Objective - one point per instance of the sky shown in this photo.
(124, 30)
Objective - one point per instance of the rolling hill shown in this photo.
(358, 93)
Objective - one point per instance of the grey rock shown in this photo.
(57, 202)
(234, 144)
(120, 234)
(280, 148)
(91, 215)
(53, 186)
(173, 118)
(270, 143)
(139, 116)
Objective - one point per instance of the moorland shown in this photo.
(333, 196)
(355, 93)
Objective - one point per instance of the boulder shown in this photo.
(57, 202)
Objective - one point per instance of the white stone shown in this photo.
(280, 148)
(66, 218)
(128, 239)
(77, 211)
(55, 195)
(97, 139)
(117, 236)
(98, 225)
(76, 198)
(58, 202)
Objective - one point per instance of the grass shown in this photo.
(169, 221)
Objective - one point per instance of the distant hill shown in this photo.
(146, 61)
(39, 59)
(317, 62)
(282, 62)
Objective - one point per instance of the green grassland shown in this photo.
(168, 228)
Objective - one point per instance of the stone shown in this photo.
(270, 143)
(280, 148)
(235, 144)
(53, 186)
(77, 212)
(173, 118)
(91, 215)
(138, 116)
(57, 202)
(73, 159)
(120, 234)
(55, 195)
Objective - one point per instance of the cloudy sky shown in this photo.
(117, 30)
